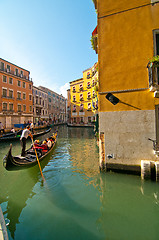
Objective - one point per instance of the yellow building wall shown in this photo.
(125, 47)
(76, 84)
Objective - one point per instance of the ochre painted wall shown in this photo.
(125, 45)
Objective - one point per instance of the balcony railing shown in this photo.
(153, 71)
(6, 70)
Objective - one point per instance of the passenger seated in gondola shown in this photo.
(37, 143)
(44, 145)
(49, 143)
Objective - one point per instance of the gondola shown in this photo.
(11, 134)
(18, 162)
(17, 136)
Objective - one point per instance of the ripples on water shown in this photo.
(77, 201)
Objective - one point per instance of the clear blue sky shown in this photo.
(49, 38)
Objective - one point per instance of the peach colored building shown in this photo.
(15, 94)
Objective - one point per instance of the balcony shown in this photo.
(6, 70)
(153, 72)
(81, 99)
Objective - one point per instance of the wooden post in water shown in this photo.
(102, 162)
(145, 169)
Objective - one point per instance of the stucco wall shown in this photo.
(126, 136)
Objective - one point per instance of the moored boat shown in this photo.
(11, 134)
(17, 136)
(11, 162)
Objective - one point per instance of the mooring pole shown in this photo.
(102, 161)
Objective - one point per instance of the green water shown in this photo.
(77, 201)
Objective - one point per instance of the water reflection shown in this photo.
(77, 202)
(17, 186)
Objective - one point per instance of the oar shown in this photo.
(37, 159)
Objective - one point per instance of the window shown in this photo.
(89, 95)
(81, 97)
(24, 96)
(10, 80)
(156, 52)
(4, 106)
(23, 84)
(74, 98)
(24, 108)
(30, 108)
(30, 86)
(4, 79)
(74, 108)
(74, 89)
(81, 120)
(16, 71)
(10, 93)
(30, 97)
(21, 73)
(81, 87)
(8, 68)
(2, 66)
(19, 83)
(81, 108)
(89, 119)
(37, 99)
(10, 106)
(88, 75)
(4, 92)
(19, 108)
(89, 106)
(19, 95)
(88, 85)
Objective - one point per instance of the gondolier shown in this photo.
(17, 162)
(26, 132)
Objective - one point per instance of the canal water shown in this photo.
(76, 202)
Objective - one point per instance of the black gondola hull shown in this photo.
(16, 163)
(17, 137)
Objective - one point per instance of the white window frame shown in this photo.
(11, 90)
(11, 104)
(3, 79)
(3, 106)
(2, 91)
(18, 92)
(12, 80)
(19, 105)
(24, 96)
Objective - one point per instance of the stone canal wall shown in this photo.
(126, 136)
